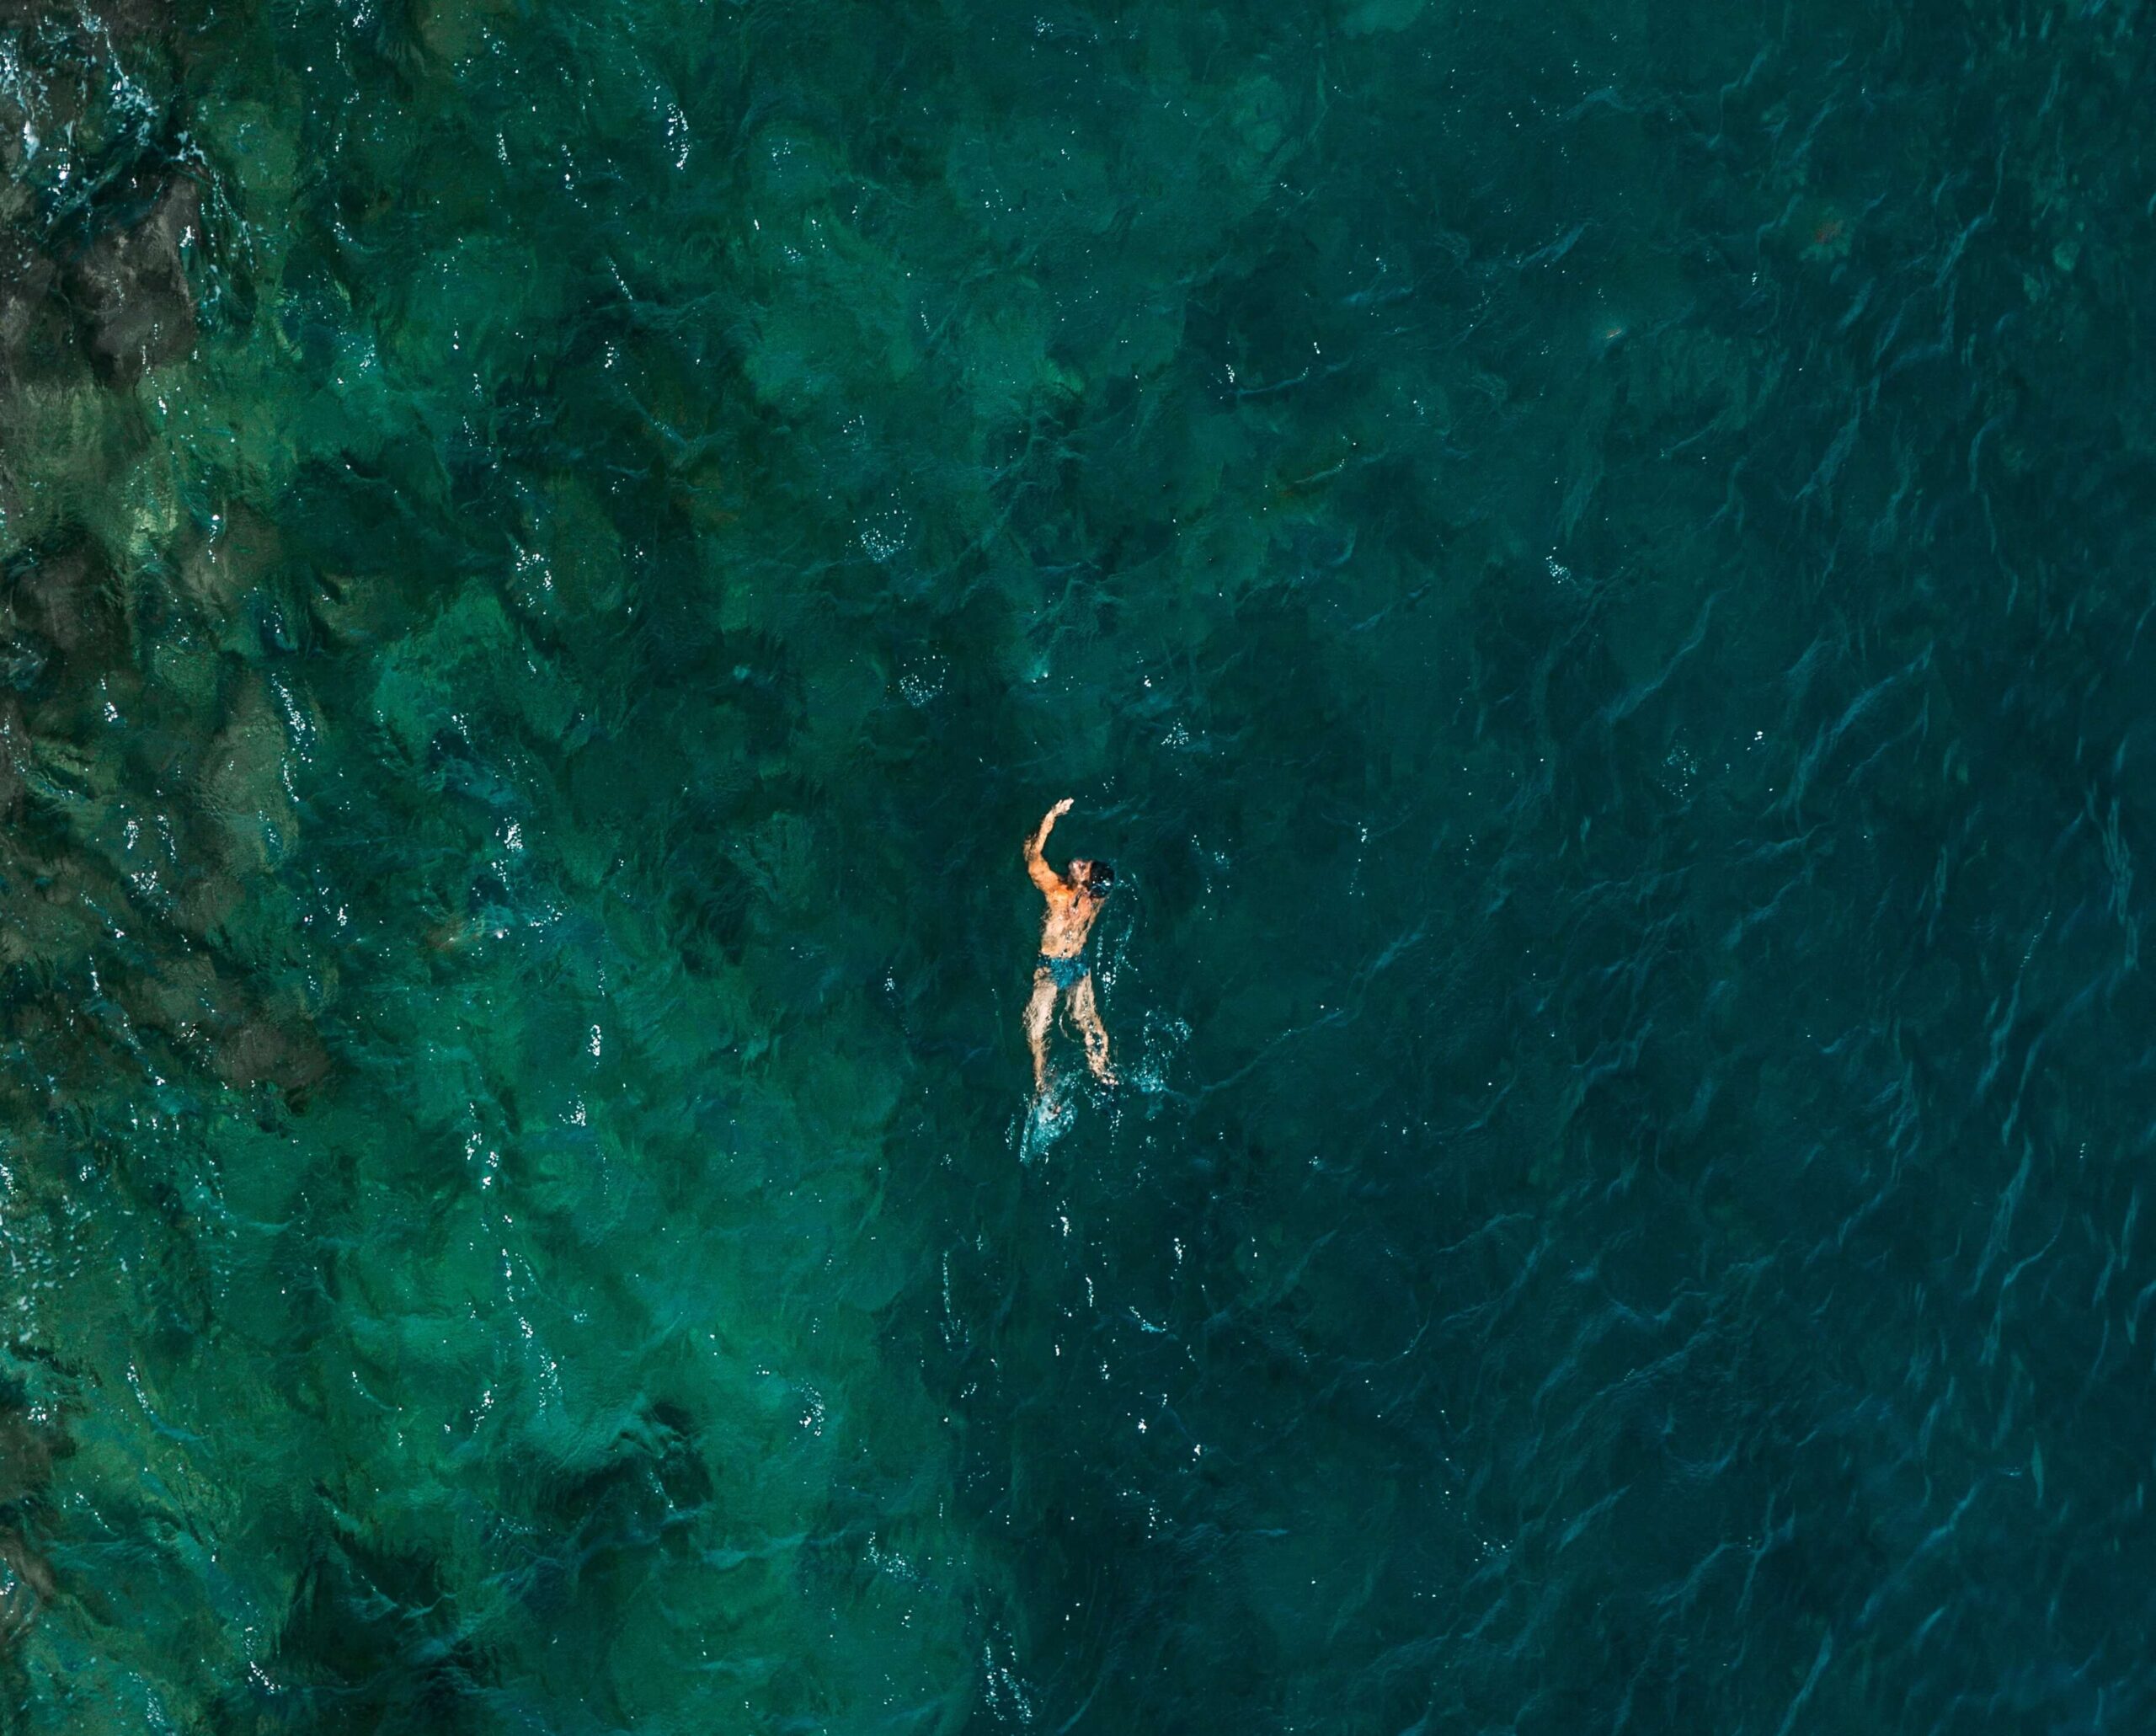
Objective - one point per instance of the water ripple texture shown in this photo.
(1589, 567)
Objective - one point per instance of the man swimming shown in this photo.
(1074, 900)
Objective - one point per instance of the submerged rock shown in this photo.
(31, 326)
(240, 549)
(123, 20)
(32, 1439)
(130, 290)
(66, 608)
(209, 1014)
(241, 787)
(26, 1583)
(257, 1050)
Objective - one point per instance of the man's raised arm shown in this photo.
(1043, 876)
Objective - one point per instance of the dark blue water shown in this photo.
(1589, 567)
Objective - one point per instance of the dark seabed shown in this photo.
(1592, 568)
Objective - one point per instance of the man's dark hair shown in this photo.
(1099, 876)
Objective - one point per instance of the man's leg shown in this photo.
(1087, 1012)
(1038, 1012)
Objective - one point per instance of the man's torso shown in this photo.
(1070, 919)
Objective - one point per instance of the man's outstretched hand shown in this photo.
(1048, 820)
(1045, 877)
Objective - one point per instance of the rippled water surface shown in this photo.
(1590, 565)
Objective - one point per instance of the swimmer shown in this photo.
(1074, 900)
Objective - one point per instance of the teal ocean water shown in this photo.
(1590, 567)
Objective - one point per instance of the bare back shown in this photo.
(1070, 919)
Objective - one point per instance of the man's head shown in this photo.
(1093, 877)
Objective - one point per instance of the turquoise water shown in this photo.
(1589, 566)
